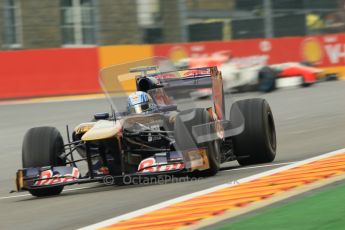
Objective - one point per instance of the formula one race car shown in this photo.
(147, 134)
(258, 77)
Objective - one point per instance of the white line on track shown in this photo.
(9, 197)
(261, 166)
(57, 99)
(167, 203)
(28, 194)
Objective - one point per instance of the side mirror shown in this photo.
(101, 116)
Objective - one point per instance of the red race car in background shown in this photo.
(308, 74)
(264, 78)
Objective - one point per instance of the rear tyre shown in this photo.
(267, 79)
(257, 143)
(42, 147)
(185, 120)
(305, 84)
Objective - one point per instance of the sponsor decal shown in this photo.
(177, 53)
(47, 178)
(164, 168)
(217, 123)
(252, 60)
(198, 159)
(219, 129)
(196, 72)
(265, 46)
(151, 165)
(147, 164)
(166, 76)
(335, 53)
(312, 50)
(210, 55)
(325, 50)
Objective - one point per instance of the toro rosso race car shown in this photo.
(147, 134)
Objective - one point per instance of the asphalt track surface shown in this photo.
(309, 122)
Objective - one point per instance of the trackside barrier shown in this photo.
(66, 71)
(326, 51)
(44, 72)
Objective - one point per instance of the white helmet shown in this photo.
(139, 102)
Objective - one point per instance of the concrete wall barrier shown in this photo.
(32, 73)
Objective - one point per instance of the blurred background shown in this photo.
(60, 45)
(52, 52)
(30, 24)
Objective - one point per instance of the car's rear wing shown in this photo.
(188, 79)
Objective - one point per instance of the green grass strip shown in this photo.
(322, 210)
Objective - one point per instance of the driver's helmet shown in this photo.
(140, 102)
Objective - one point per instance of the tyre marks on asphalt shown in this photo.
(199, 208)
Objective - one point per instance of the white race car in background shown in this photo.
(263, 78)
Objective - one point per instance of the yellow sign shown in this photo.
(312, 50)
(114, 55)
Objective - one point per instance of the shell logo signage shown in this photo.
(326, 50)
(312, 50)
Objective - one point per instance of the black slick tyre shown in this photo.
(257, 143)
(42, 147)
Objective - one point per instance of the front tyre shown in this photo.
(257, 143)
(42, 146)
